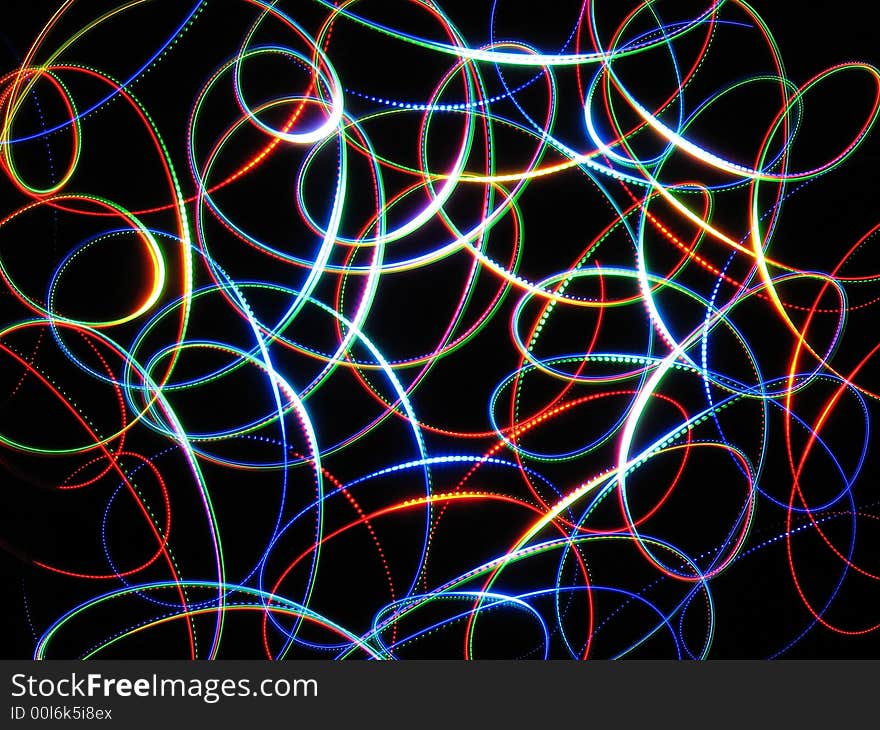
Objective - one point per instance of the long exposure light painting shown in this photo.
(428, 329)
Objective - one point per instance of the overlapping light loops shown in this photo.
(364, 330)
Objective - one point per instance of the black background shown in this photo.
(757, 608)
